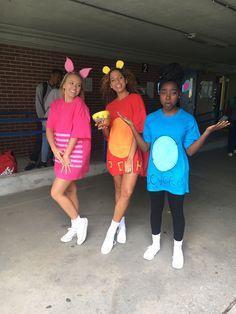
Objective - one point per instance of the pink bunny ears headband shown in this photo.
(119, 65)
(69, 67)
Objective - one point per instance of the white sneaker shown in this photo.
(178, 260)
(107, 244)
(230, 154)
(82, 230)
(150, 252)
(121, 235)
(178, 257)
(69, 235)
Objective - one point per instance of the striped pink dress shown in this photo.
(71, 120)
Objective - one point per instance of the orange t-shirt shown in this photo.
(121, 136)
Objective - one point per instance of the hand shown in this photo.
(58, 154)
(102, 123)
(66, 164)
(126, 120)
(219, 125)
(129, 166)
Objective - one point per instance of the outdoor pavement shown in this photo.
(39, 274)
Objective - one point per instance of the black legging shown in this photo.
(176, 203)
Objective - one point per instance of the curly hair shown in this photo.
(81, 94)
(172, 72)
(107, 92)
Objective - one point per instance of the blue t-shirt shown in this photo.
(169, 136)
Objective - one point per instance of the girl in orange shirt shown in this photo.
(124, 159)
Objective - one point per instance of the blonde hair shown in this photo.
(107, 92)
(81, 94)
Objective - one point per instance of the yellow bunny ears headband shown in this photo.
(119, 65)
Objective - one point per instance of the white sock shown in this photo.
(178, 257)
(75, 222)
(121, 235)
(122, 222)
(109, 239)
(152, 250)
(113, 227)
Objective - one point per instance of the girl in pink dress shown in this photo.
(69, 136)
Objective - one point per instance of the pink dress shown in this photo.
(71, 120)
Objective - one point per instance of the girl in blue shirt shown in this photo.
(170, 134)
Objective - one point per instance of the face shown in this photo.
(56, 79)
(72, 87)
(117, 82)
(169, 96)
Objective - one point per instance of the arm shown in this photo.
(132, 149)
(47, 103)
(192, 149)
(129, 162)
(54, 94)
(66, 156)
(63, 157)
(144, 146)
(39, 101)
(56, 152)
(106, 130)
(103, 124)
(71, 144)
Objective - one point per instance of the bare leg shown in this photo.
(124, 189)
(58, 193)
(65, 194)
(121, 231)
(127, 187)
(71, 193)
(117, 184)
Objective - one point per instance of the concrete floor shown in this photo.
(39, 274)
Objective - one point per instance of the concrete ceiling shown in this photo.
(148, 31)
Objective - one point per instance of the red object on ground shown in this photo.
(8, 163)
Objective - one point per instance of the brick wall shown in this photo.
(21, 69)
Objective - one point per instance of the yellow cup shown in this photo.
(101, 115)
